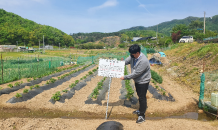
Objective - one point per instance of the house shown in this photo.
(7, 48)
(49, 47)
(144, 38)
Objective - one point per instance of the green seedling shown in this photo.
(65, 91)
(21, 82)
(72, 85)
(77, 81)
(59, 78)
(17, 84)
(95, 96)
(84, 77)
(164, 93)
(81, 78)
(28, 80)
(25, 91)
(56, 96)
(90, 73)
(10, 85)
(31, 87)
(36, 86)
(47, 82)
(18, 95)
(52, 80)
(34, 78)
(156, 86)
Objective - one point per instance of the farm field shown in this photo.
(76, 109)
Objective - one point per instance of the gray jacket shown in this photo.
(141, 73)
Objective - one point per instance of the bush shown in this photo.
(156, 77)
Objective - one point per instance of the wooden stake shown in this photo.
(38, 63)
(2, 68)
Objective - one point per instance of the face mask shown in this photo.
(132, 56)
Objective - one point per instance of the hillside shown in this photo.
(15, 28)
(166, 27)
(186, 63)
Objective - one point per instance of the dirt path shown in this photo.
(78, 124)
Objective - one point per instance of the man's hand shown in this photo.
(122, 59)
(122, 77)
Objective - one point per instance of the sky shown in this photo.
(74, 16)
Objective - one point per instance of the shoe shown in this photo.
(140, 119)
(137, 112)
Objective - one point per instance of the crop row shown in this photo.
(163, 92)
(34, 78)
(51, 80)
(155, 76)
(128, 87)
(95, 92)
(58, 94)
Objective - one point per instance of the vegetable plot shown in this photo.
(37, 90)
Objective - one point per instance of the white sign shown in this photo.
(111, 68)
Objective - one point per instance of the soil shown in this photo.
(80, 124)
(21, 115)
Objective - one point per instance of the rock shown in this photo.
(200, 111)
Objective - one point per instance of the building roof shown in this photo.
(144, 38)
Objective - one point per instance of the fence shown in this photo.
(118, 56)
(210, 38)
(211, 84)
(14, 69)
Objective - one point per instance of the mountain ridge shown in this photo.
(166, 27)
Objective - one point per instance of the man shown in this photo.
(140, 73)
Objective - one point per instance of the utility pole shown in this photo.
(17, 46)
(204, 21)
(43, 44)
(39, 45)
(157, 34)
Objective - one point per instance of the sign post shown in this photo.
(110, 68)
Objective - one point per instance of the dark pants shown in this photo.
(141, 90)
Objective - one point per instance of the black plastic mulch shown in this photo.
(36, 91)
